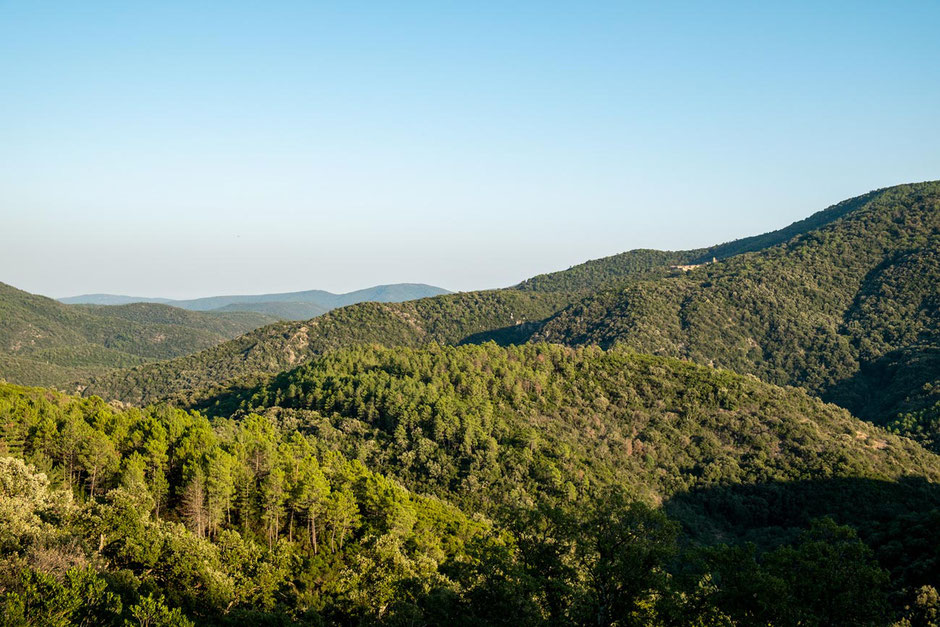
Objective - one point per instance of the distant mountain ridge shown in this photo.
(301, 305)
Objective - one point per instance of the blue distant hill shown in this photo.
(287, 305)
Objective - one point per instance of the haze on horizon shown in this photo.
(179, 151)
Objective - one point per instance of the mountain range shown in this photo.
(285, 306)
(48, 342)
(43, 341)
(844, 303)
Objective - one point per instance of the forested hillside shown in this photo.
(606, 488)
(43, 341)
(834, 310)
(513, 425)
(652, 264)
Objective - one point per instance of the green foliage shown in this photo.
(151, 612)
(81, 597)
(337, 493)
(252, 519)
(828, 577)
(515, 425)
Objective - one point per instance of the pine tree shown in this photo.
(194, 504)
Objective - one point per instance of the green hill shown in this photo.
(819, 311)
(44, 341)
(490, 425)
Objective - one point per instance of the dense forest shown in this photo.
(475, 484)
(745, 434)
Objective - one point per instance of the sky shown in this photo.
(184, 149)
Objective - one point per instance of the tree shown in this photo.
(623, 550)
(925, 611)
(133, 479)
(81, 597)
(220, 488)
(97, 456)
(273, 494)
(194, 504)
(832, 577)
(311, 494)
(343, 515)
(153, 612)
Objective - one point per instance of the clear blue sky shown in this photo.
(190, 148)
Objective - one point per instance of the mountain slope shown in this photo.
(817, 311)
(652, 264)
(538, 420)
(44, 341)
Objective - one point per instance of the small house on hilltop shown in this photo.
(686, 268)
